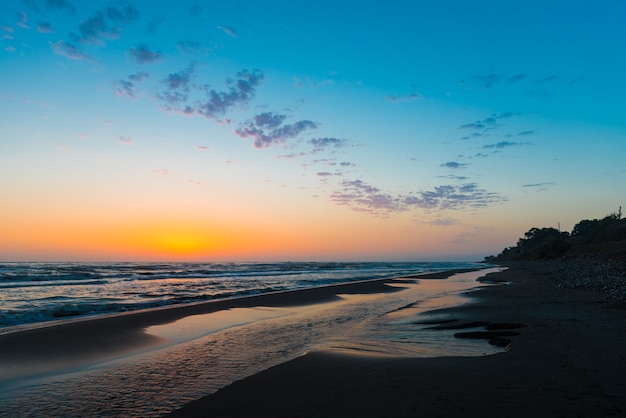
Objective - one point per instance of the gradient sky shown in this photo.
(288, 130)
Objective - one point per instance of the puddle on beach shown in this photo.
(207, 352)
(197, 326)
(408, 330)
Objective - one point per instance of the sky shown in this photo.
(264, 130)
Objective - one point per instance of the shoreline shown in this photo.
(565, 359)
(75, 344)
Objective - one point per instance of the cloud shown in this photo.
(45, 27)
(142, 54)
(362, 197)
(153, 24)
(240, 92)
(60, 5)
(505, 144)
(453, 177)
(473, 125)
(179, 80)
(23, 21)
(487, 81)
(319, 144)
(533, 185)
(105, 24)
(70, 51)
(448, 197)
(267, 129)
(516, 78)
(177, 89)
(129, 87)
(203, 148)
(125, 140)
(490, 122)
(453, 165)
(187, 46)
(403, 97)
(139, 77)
(443, 222)
(473, 134)
(122, 15)
(228, 31)
(546, 79)
(526, 133)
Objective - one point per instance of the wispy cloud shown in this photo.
(129, 87)
(268, 129)
(62, 5)
(453, 165)
(505, 144)
(546, 79)
(142, 54)
(363, 197)
(177, 89)
(440, 221)
(526, 133)
(473, 134)
(125, 140)
(320, 144)
(487, 81)
(70, 51)
(105, 24)
(395, 98)
(45, 27)
(228, 31)
(187, 46)
(516, 78)
(490, 122)
(538, 185)
(538, 94)
(22, 21)
(240, 92)
(180, 95)
(450, 197)
(154, 24)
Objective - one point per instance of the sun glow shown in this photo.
(182, 243)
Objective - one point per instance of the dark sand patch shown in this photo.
(569, 361)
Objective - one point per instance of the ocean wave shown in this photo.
(38, 292)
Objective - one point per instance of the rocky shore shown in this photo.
(602, 273)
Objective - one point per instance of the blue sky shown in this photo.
(278, 130)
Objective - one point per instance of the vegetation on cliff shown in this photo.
(606, 236)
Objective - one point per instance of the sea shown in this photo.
(200, 354)
(41, 292)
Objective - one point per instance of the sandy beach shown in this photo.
(149, 363)
(566, 358)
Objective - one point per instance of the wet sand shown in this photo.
(566, 358)
(60, 347)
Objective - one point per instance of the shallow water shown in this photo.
(38, 292)
(207, 352)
